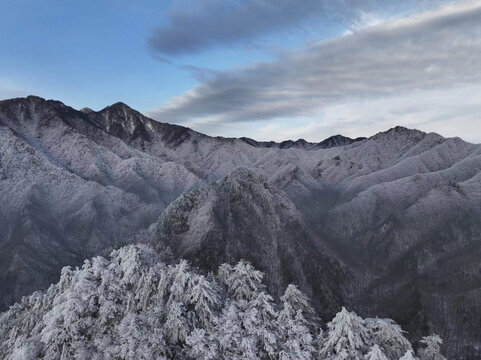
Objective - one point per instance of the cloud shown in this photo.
(198, 25)
(435, 50)
(449, 112)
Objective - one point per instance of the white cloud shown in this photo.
(449, 112)
(374, 72)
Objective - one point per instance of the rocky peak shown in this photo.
(398, 131)
(87, 110)
(337, 140)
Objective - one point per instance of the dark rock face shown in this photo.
(387, 225)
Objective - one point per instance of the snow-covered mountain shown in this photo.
(388, 225)
(243, 216)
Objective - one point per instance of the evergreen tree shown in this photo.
(202, 345)
(229, 332)
(245, 282)
(132, 306)
(138, 339)
(409, 355)
(432, 349)
(182, 282)
(375, 353)
(206, 299)
(176, 325)
(260, 320)
(297, 300)
(224, 272)
(389, 336)
(347, 334)
(296, 341)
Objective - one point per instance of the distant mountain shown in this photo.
(333, 141)
(388, 225)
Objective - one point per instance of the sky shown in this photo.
(265, 69)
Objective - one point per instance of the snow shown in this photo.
(132, 305)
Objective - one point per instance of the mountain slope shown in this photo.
(242, 216)
(388, 225)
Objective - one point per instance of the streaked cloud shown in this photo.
(434, 51)
(194, 26)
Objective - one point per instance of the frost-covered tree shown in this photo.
(375, 353)
(347, 335)
(69, 323)
(176, 324)
(432, 348)
(138, 339)
(245, 282)
(230, 333)
(296, 341)
(297, 300)
(26, 349)
(260, 320)
(202, 345)
(389, 336)
(182, 282)
(206, 300)
(409, 355)
(133, 306)
(224, 272)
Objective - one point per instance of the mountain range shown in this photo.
(387, 225)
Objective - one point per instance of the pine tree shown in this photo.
(245, 282)
(138, 339)
(409, 355)
(260, 320)
(389, 336)
(182, 282)
(229, 332)
(131, 306)
(206, 300)
(176, 325)
(224, 272)
(347, 334)
(375, 353)
(71, 319)
(297, 300)
(296, 340)
(432, 349)
(202, 345)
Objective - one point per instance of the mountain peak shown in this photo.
(87, 110)
(121, 107)
(398, 131)
(35, 98)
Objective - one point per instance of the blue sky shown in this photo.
(258, 68)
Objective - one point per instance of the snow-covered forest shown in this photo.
(134, 305)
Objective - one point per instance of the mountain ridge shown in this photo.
(395, 215)
(335, 140)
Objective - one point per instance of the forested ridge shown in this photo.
(138, 305)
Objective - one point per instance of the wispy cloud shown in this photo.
(194, 26)
(432, 51)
